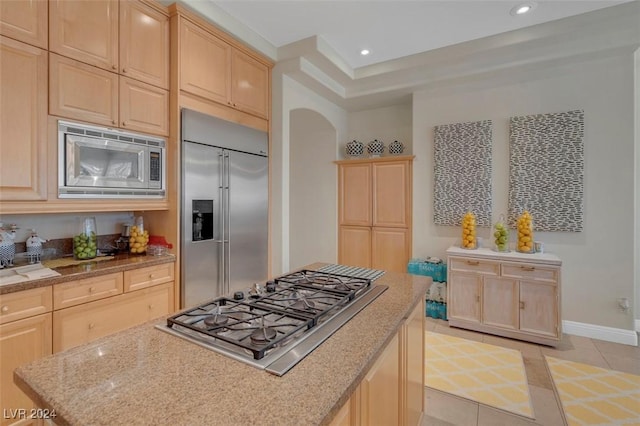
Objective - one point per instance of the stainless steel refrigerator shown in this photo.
(224, 207)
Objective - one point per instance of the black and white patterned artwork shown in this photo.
(462, 154)
(546, 169)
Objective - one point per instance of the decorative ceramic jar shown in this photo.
(85, 242)
(396, 148)
(7, 245)
(375, 148)
(354, 148)
(34, 247)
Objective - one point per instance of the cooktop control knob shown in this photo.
(271, 286)
(238, 295)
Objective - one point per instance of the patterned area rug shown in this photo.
(483, 373)
(595, 396)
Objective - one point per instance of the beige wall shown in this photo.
(313, 180)
(598, 264)
(385, 124)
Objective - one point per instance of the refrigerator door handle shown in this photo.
(220, 240)
(227, 239)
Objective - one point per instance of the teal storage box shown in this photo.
(437, 271)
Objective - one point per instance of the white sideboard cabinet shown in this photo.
(512, 294)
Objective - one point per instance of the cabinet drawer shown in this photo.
(149, 276)
(475, 265)
(23, 304)
(82, 291)
(530, 272)
(84, 323)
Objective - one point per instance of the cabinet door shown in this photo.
(463, 299)
(390, 249)
(539, 308)
(84, 323)
(204, 63)
(413, 366)
(82, 92)
(86, 31)
(391, 193)
(249, 84)
(143, 107)
(355, 246)
(21, 342)
(25, 21)
(144, 43)
(23, 121)
(380, 389)
(500, 302)
(355, 194)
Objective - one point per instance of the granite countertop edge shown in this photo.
(324, 380)
(119, 263)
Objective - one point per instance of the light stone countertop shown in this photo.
(119, 263)
(144, 376)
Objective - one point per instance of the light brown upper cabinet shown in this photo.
(86, 93)
(374, 203)
(23, 121)
(86, 31)
(212, 68)
(144, 43)
(25, 21)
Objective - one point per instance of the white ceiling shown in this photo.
(391, 29)
(421, 44)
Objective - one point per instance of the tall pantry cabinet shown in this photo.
(375, 202)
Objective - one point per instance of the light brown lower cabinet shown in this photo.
(25, 336)
(84, 323)
(392, 392)
(374, 247)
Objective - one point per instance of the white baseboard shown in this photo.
(609, 334)
(638, 325)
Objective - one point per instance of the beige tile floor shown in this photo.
(443, 409)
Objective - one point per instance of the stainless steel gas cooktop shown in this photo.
(263, 325)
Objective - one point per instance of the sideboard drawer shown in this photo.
(530, 272)
(82, 291)
(475, 265)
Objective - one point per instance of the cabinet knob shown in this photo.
(521, 305)
(477, 298)
(151, 276)
(528, 268)
(113, 67)
(124, 70)
(5, 309)
(124, 123)
(91, 289)
(114, 122)
(473, 262)
(150, 307)
(91, 326)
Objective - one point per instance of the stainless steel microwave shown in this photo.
(100, 162)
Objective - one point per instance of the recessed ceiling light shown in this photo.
(364, 52)
(522, 8)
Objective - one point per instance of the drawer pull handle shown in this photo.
(528, 268)
(473, 262)
(5, 309)
(91, 326)
(521, 305)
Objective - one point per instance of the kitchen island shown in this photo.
(145, 376)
